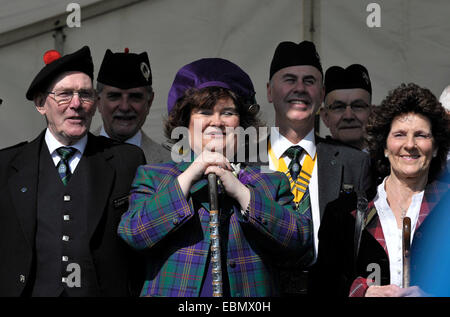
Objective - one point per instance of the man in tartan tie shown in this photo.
(296, 90)
(63, 166)
(65, 192)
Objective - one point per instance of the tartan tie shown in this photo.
(294, 152)
(65, 153)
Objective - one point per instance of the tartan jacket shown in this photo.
(174, 232)
(336, 271)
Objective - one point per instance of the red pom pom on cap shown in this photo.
(127, 50)
(50, 56)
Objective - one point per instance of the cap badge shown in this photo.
(366, 78)
(145, 70)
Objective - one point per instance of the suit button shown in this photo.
(175, 221)
(22, 278)
(232, 264)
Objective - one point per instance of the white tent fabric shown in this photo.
(18, 13)
(174, 32)
(412, 45)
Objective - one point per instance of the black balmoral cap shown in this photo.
(125, 70)
(55, 64)
(354, 76)
(291, 54)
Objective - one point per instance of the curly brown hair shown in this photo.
(206, 98)
(405, 99)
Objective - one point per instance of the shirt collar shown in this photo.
(135, 139)
(280, 144)
(53, 143)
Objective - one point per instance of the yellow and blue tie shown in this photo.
(65, 153)
(294, 153)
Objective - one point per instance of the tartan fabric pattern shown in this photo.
(175, 231)
(294, 153)
(432, 195)
(65, 153)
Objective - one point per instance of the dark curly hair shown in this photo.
(405, 99)
(206, 98)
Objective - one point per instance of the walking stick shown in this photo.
(406, 250)
(215, 236)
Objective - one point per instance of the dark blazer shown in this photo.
(112, 167)
(340, 168)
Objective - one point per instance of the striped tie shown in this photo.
(294, 153)
(65, 153)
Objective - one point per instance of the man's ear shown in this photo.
(39, 102)
(269, 92)
(324, 115)
(150, 99)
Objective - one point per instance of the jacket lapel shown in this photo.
(329, 175)
(101, 177)
(22, 185)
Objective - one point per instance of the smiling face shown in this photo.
(67, 122)
(346, 113)
(124, 110)
(296, 93)
(410, 146)
(209, 127)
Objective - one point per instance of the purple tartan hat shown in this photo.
(211, 72)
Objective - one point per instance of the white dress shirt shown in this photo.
(279, 145)
(392, 234)
(135, 139)
(53, 144)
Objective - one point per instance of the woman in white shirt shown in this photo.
(408, 136)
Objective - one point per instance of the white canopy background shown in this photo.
(412, 44)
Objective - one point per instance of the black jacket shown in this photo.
(112, 167)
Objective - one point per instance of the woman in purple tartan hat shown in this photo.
(210, 102)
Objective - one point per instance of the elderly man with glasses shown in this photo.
(348, 94)
(64, 193)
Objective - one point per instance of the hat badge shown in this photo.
(365, 77)
(145, 70)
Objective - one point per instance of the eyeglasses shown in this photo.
(339, 108)
(65, 96)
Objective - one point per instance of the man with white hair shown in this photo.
(444, 99)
